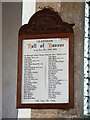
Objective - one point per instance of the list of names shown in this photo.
(45, 71)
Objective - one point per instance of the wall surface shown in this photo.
(71, 13)
(11, 21)
(11, 17)
(0, 60)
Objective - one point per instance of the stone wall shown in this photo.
(71, 13)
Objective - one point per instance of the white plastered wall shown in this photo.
(28, 9)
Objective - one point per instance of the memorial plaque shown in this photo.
(45, 63)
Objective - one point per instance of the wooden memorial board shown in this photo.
(45, 62)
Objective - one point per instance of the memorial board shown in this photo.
(45, 76)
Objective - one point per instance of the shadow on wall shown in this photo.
(11, 22)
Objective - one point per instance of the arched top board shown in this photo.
(45, 62)
(46, 21)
